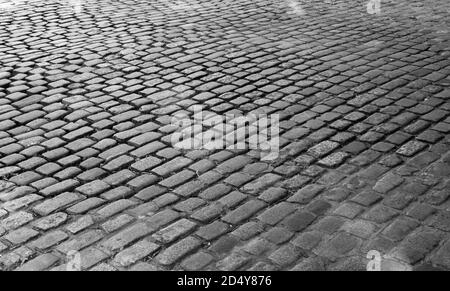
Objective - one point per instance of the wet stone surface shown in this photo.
(87, 163)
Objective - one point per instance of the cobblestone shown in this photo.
(80, 241)
(197, 261)
(57, 203)
(174, 231)
(87, 162)
(80, 224)
(16, 220)
(232, 262)
(243, 212)
(442, 258)
(49, 240)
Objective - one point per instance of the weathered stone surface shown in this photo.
(104, 150)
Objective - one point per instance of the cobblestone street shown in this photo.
(88, 90)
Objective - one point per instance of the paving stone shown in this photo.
(91, 257)
(310, 264)
(421, 211)
(359, 228)
(197, 261)
(308, 240)
(117, 222)
(80, 241)
(374, 172)
(135, 253)
(20, 236)
(387, 183)
(441, 220)
(177, 179)
(337, 194)
(16, 220)
(339, 246)
(329, 224)
(416, 246)
(284, 255)
(399, 200)
(273, 194)
(118, 178)
(146, 164)
(334, 159)
(85, 205)
(102, 267)
(172, 166)
(248, 230)
(348, 210)
(56, 203)
(93, 188)
(224, 245)
(323, 148)
(142, 267)
(319, 207)
(115, 152)
(442, 257)
(113, 208)
(354, 263)
(411, 148)
(120, 192)
(142, 210)
(80, 224)
(232, 262)
(215, 192)
(178, 250)
(243, 212)
(59, 187)
(150, 192)
(174, 231)
(440, 169)
(190, 188)
(208, 212)
(15, 193)
(258, 246)
(49, 240)
(276, 213)
(86, 138)
(162, 218)
(212, 230)
(299, 221)
(415, 188)
(306, 194)
(39, 263)
(142, 181)
(261, 183)
(232, 199)
(367, 198)
(380, 214)
(331, 178)
(16, 257)
(278, 235)
(165, 199)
